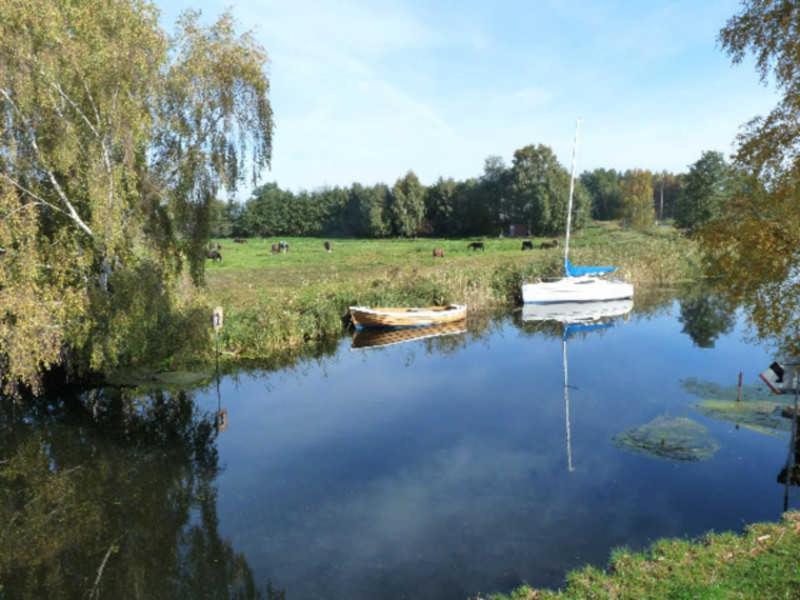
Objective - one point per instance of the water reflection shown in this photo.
(111, 495)
(705, 316)
(485, 461)
(790, 474)
(376, 338)
(574, 318)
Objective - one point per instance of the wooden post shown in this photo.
(739, 390)
(221, 419)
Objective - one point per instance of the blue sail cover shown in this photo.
(578, 270)
(571, 329)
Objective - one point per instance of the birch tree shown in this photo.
(114, 140)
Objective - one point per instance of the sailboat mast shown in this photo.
(571, 192)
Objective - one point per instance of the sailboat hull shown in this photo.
(576, 289)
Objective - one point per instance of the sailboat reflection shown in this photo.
(575, 317)
(374, 338)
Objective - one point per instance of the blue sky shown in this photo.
(366, 90)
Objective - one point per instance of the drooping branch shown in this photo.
(71, 212)
(38, 200)
(92, 128)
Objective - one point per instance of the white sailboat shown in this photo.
(575, 317)
(580, 283)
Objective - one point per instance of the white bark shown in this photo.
(70, 208)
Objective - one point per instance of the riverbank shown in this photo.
(278, 303)
(760, 563)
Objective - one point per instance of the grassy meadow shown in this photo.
(274, 302)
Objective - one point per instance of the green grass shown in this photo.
(644, 256)
(760, 563)
(276, 302)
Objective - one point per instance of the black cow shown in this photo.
(527, 245)
(213, 255)
(476, 246)
(327, 246)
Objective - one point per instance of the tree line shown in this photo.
(532, 192)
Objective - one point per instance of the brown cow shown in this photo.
(438, 253)
(239, 241)
(550, 244)
(276, 248)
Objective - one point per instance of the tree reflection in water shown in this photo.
(705, 317)
(111, 495)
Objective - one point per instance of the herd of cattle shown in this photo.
(213, 252)
(526, 245)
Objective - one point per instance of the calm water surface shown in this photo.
(431, 469)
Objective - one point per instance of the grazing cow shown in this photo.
(327, 246)
(438, 253)
(550, 244)
(239, 241)
(213, 255)
(275, 248)
(476, 246)
(527, 245)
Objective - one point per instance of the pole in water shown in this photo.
(739, 388)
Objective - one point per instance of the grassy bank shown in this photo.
(760, 563)
(277, 302)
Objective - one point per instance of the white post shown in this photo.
(571, 192)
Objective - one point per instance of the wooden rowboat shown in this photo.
(363, 316)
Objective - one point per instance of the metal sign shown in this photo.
(216, 318)
(781, 378)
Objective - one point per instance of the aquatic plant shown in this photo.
(759, 409)
(673, 438)
(762, 416)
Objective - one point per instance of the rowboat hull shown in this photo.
(576, 289)
(384, 318)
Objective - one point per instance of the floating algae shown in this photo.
(709, 390)
(763, 416)
(672, 438)
(759, 410)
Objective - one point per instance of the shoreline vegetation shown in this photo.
(761, 562)
(279, 303)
